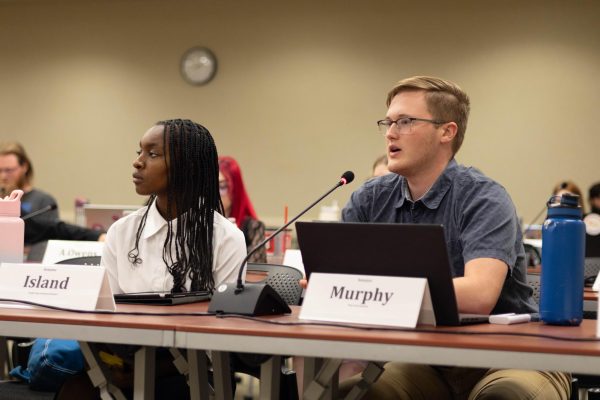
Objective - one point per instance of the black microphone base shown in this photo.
(255, 299)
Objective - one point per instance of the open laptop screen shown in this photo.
(100, 217)
(410, 250)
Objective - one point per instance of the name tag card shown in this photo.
(368, 300)
(78, 287)
(596, 286)
(60, 250)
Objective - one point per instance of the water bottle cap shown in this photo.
(566, 205)
(11, 205)
(566, 200)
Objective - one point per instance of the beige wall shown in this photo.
(299, 88)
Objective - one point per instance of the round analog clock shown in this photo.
(198, 65)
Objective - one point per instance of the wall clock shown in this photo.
(198, 65)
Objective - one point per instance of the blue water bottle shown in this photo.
(563, 249)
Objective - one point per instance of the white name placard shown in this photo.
(368, 300)
(78, 287)
(596, 286)
(60, 250)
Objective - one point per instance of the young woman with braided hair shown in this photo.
(180, 241)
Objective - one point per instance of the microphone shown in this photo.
(42, 210)
(260, 298)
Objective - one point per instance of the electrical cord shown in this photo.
(107, 312)
(418, 330)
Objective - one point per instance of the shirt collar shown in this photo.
(154, 221)
(436, 193)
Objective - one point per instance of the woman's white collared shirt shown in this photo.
(229, 250)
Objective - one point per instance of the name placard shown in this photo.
(368, 300)
(78, 287)
(60, 250)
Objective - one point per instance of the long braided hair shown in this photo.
(193, 192)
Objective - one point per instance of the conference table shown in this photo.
(527, 346)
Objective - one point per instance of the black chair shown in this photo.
(533, 280)
(285, 281)
(532, 255)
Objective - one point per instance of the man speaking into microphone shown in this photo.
(424, 128)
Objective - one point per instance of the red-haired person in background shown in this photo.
(238, 207)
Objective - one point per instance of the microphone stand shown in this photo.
(40, 211)
(258, 298)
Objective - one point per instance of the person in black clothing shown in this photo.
(594, 198)
(16, 172)
(37, 231)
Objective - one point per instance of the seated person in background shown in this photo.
(424, 127)
(38, 231)
(594, 198)
(592, 220)
(16, 172)
(380, 166)
(569, 187)
(237, 206)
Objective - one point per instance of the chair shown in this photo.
(285, 281)
(532, 255)
(533, 280)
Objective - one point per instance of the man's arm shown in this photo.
(37, 230)
(477, 292)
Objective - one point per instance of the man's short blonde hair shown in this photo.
(446, 102)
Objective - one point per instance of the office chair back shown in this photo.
(591, 266)
(532, 255)
(91, 260)
(533, 280)
(285, 280)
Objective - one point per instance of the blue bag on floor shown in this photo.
(51, 362)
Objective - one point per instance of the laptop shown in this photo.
(408, 250)
(162, 298)
(100, 217)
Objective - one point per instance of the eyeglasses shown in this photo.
(8, 171)
(223, 188)
(403, 124)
